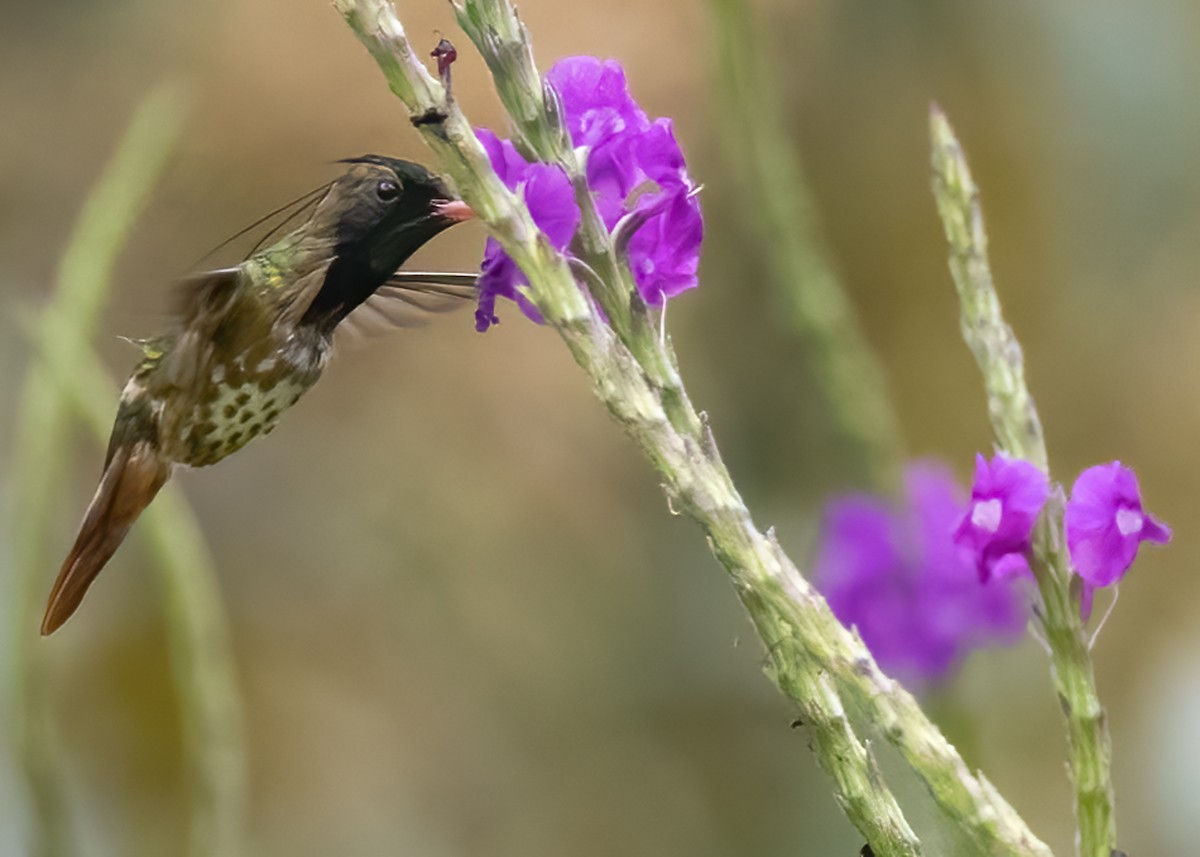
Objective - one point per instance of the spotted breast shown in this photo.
(244, 397)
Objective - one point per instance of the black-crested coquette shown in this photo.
(250, 340)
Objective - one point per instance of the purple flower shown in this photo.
(1006, 499)
(547, 191)
(664, 253)
(899, 578)
(633, 165)
(1105, 524)
(597, 105)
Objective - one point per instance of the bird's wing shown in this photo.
(204, 298)
(294, 301)
(407, 299)
(447, 282)
(203, 301)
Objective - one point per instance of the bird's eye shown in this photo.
(387, 190)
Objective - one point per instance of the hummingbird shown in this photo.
(250, 340)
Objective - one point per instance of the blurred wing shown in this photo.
(203, 298)
(203, 301)
(407, 299)
(451, 282)
(295, 300)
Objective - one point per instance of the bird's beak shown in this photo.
(454, 210)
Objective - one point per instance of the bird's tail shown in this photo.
(131, 479)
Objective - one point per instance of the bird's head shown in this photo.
(379, 212)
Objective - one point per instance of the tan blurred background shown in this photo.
(465, 622)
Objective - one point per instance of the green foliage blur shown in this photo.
(464, 619)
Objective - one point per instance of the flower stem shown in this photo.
(1019, 433)
(503, 40)
(198, 634)
(778, 205)
(537, 115)
(810, 652)
(64, 368)
(83, 277)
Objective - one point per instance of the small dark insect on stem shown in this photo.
(867, 851)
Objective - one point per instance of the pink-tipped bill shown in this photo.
(454, 209)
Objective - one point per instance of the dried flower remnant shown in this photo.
(445, 54)
(1006, 499)
(634, 166)
(899, 578)
(1105, 524)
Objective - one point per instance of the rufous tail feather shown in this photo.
(132, 478)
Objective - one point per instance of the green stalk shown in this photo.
(503, 41)
(83, 278)
(1019, 433)
(779, 208)
(198, 634)
(64, 367)
(538, 122)
(811, 653)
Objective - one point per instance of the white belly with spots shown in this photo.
(251, 410)
(232, 416)
(244, 397)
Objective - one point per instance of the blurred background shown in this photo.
(464, 620)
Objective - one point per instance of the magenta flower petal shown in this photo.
(969, 612)
(1105, 524)
(1010, 566)
(899, 578)
(596, 99)
(551, 200)
(863, 574)
(499, 277)
(645, 172)
(635, 165)
(632, 164)
(1006, 499)
(659, 155)
(506, 160)
(496, 277)
(664, 254)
